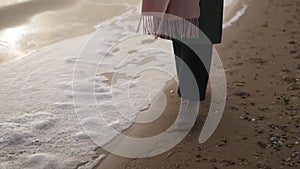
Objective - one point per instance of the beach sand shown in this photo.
(260, 125)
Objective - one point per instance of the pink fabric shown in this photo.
(155, 21)
(180, 8)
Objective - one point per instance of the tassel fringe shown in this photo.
(169, 28)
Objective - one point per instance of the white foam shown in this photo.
(236, 17)
(12, 134)
(228, 2)
(38, 126)
(41, 160)
(4, 3)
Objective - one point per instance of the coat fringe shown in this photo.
(165, 28)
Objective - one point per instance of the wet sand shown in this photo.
(260, 125)
(30, 25)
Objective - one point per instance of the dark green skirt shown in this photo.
(211, 19)
(211, 23)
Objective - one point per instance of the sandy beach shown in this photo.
(41, 42)
(260, 125)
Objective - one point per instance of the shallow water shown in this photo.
(27, 26)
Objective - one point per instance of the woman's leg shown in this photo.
(185, 54)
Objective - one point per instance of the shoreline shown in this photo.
(138, 130)
(244, 136)
(46, 91)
